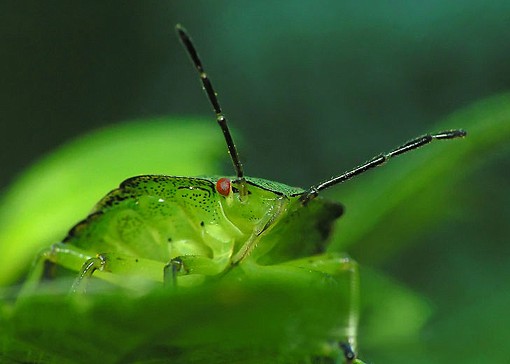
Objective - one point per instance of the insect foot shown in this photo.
(348, 353)
(171, 271)
(89, 267)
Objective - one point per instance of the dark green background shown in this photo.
(313, 87)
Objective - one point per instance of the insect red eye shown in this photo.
(223, 186)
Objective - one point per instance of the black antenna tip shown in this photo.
(461, 133)
(451, 134)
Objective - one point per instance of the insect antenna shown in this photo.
(379, 160)
(213, 98)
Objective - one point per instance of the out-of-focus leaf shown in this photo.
(464, 336)
(483, 336)
(392, 314)
(385, 209)
(59, 190)
(267, 321)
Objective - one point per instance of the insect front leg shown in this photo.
(122, 270)
(88, 268)
(193, 267)
(349, 354)
(60, 254)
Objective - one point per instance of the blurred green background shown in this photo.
(313, 88)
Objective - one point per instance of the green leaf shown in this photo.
(59, 190)
(246, 322)
(393, 313)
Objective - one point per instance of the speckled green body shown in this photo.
(164, 217)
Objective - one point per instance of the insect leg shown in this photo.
(89, 267)
(171, 271)
(348, 356)
(58, 254)
(122, 270)
(348, 352)
(191, 265)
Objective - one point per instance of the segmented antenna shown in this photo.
(213, 98)
(380, 159)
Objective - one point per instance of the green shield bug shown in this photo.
(182, 231)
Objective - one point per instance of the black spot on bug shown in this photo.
(169, 240)
(202, 223)
(136, 260)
